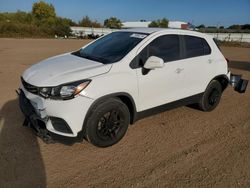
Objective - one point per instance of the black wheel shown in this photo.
(107, 123)
(211, 97)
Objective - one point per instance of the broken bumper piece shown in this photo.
(239, 84)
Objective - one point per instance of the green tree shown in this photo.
(113, 23)
(61, 27)
(43, 11)
(236, 27)
(87, 22)
(245, 27)
(71, 22)
(154, 24)
(96, 24)
(22, 17)
(163, 23)
(41, 22)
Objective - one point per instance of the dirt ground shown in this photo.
(183, 147)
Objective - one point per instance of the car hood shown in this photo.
(63, 69)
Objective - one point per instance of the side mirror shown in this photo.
(153, 62)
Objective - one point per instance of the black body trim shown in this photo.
(140, 115)
(66, 139)
(220, 76)
(60, 125)
(223, 79)
(182, 102)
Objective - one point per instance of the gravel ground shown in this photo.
(183, 147)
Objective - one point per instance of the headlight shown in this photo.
(64, 91)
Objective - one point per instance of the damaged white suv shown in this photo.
(97, 91)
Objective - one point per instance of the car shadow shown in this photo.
(21, 163)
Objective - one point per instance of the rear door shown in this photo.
(197, 63)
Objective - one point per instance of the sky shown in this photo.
(208, 12)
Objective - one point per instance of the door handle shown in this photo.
(179, 70)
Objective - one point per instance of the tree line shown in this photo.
(221, 29)
(42, 21)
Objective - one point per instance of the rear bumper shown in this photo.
(38, 124)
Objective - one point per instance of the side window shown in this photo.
(166, 47)
(196, 46)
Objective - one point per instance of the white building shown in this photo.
(84, 31)
(178, 25)
(135, 24)
(171, 24)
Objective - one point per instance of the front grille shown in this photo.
(30, 88)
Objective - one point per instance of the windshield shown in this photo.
(112, 47)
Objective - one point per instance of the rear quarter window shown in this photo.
(196, 46)
(217, 42)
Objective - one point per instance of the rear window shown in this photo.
(196, 46)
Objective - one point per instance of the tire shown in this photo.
(107, 123)
(211, 96)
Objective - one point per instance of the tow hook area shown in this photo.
(239, 84)
(32, 120)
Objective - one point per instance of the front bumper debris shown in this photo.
(239, 84)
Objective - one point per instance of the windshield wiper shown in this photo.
(91, 57)
(77, 53)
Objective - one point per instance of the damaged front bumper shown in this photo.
(38, 124)
(32, 120)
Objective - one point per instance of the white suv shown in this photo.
(97, 91)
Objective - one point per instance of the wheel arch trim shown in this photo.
(220, 78)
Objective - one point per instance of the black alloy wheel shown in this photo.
(211, 96)
(107, 123)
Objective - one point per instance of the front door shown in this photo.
(162, 85)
